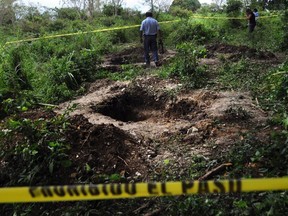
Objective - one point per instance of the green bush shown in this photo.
(111, 10)
(276, 84)
(233, 9)
(86, 62)
(53, 69)
(186, 65)
(180, 12)
(192, 5)
(41, 149)
(69, 13)
(14, 75)
(57, 25)
(284, 44)
(186, 31)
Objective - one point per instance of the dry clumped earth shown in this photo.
(153, 129)
(143, 128)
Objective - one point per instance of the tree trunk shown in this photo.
(91, 8)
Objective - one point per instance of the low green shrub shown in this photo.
(186, 65)
(187, 31)
(40, 149)
(276, 88)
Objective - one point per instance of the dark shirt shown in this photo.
(252, 20)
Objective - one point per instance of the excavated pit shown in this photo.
(132, 55)
(134, 105)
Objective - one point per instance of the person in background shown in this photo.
(251, 20)
(150, 30)
(255, 11)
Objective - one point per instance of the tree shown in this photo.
(219, 3)
(7, 13)
(151, 4)
(277, 4)
(116, 6)
(233, 9)
(90, 6)
(68, 13)
(162, 5)
(187, 4)
(79, 4)
(159, 5)
(111, 10)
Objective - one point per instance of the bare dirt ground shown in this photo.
(132, 55)
(149, 128)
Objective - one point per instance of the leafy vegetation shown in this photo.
(192, 5)
(186, 65)
(55, 70)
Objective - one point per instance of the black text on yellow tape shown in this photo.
(116, 191)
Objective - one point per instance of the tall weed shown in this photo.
(276, 87)
(186, 65)
(13, 72)
(53, 69)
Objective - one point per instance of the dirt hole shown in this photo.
(134, 105)
(127, 56)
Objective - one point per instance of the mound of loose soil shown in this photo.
(95, 151)
(105, 148)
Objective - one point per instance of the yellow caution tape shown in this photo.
(81, 33)
(230, 18)
(119, 28)
(133, 190)
(71, 34)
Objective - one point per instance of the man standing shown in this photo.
(251, 20)
(150, 29)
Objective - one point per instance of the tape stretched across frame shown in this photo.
(231, 18)
(80, 33)
(120, 28)
(134, 190)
